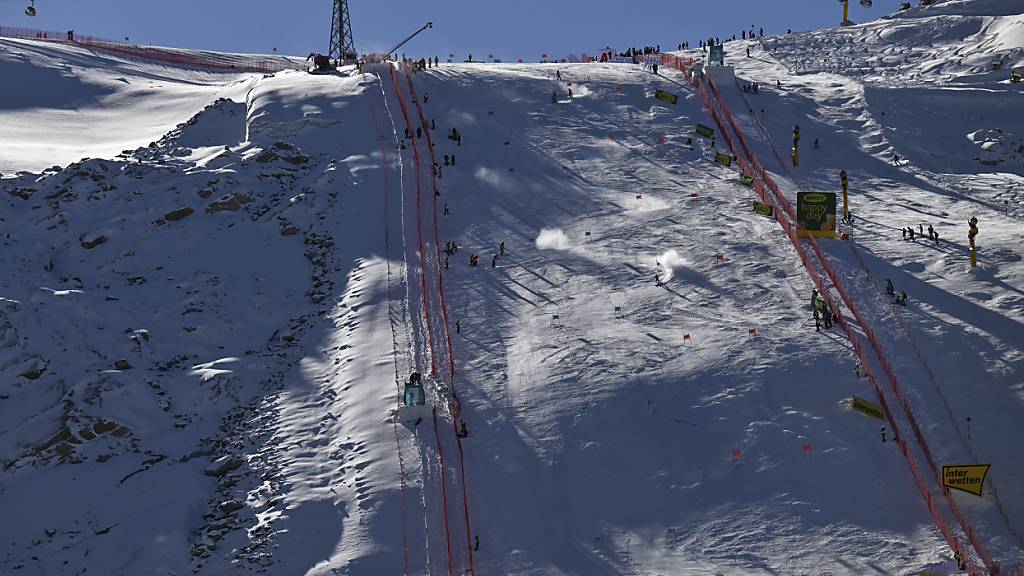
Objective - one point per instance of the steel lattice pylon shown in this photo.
(342, 45)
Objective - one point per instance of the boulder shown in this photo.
(178, 214)
(89, 244)
(122, 365)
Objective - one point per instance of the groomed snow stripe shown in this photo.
(426, 308)
(447, 328)
(394, 332)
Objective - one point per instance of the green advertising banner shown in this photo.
(705, 131)
(816, 214)
(746, 180)
(666, 96)
(764, 209)
(723, 159)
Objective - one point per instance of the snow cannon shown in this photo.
(414, 401)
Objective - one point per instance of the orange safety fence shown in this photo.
(181, 58)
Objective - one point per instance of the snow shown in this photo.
(202, 341)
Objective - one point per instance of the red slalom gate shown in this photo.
(919, 480)
(426, 310)
(394, 332)
(447, 329)
(210, 61)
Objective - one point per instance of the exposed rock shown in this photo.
(90, 244)
(178, 214)
(223, 465)
(289, 229)
(230, 202)
(122, 365)
(231, 506)
(34, 374)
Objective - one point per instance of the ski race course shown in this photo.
(218, 285)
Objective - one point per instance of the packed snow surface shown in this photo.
(203, 340)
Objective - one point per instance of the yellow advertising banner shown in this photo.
(666, 96)
(868, 408)
(966, 477)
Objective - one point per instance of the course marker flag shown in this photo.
(966, 477)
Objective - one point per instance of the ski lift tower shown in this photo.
(343, 48)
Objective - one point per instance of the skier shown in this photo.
(903, 298)
(435, 61)
(815, 142)
(558, 74)
(554, 97)
(654, 67)
(931, 232)
(883, 433)
(911, 231)
(904, 233)
(419, 132)
(476, 543)
(501, 247)
(936, 236)
(458, 326)
(888, 287)
(426, 97)
(570, 93)
(445, 262)
(494, 261)
(895, 159)
(817, 321)
(856, 370)
(445, 208)
(920, 229)
(445, 159)
(463, 433)
(433, 126)
(453, 155)
(748, 51)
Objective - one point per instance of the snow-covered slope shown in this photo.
(202, 341)
(64, 103)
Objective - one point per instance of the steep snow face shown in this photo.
(71, 103)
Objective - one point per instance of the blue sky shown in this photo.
(508, 29)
